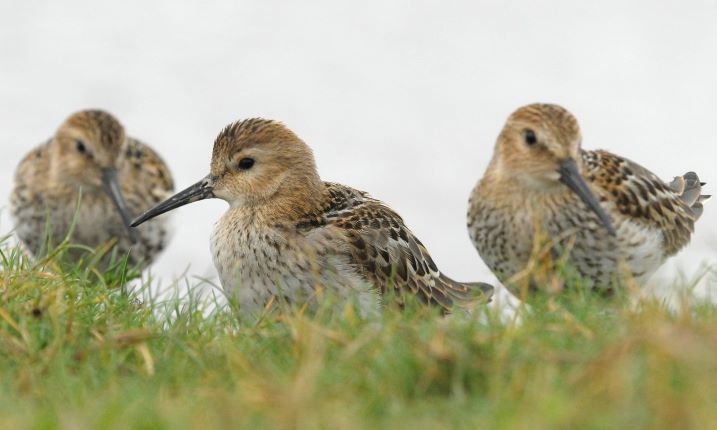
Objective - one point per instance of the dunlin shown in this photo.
(288, 236)
(543, 199)
(90, 179)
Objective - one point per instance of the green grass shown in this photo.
(77, 351)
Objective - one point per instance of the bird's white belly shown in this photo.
(642, 249)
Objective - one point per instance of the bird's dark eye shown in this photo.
(245, 163)
(80, 145)
(530, 137)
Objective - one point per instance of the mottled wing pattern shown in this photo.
(31, 170)
(387, 253)
(144, 175)
(645, 198)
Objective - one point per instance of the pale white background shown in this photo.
(403, 99)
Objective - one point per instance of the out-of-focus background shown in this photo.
(403, 99)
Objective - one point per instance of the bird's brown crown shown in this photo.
(101, 127)
(534, 141)
(257, 161)
(551, 117)
(87, 142)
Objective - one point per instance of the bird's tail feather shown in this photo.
(689, 188)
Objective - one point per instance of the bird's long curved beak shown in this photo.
(203, 189)
(112, 188)
(570, 176)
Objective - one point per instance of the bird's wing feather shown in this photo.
(144, 173)
(643, 197)
(386, 252)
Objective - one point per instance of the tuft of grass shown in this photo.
(77, 350)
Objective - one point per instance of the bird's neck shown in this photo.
(291, 202)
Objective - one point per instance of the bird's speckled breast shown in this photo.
(96, 222)
(504, 234)
(258, 262)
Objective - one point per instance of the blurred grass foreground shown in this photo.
(78, 351)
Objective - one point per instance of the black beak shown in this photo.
(570, 176)
(111, 184)
(203, 189)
